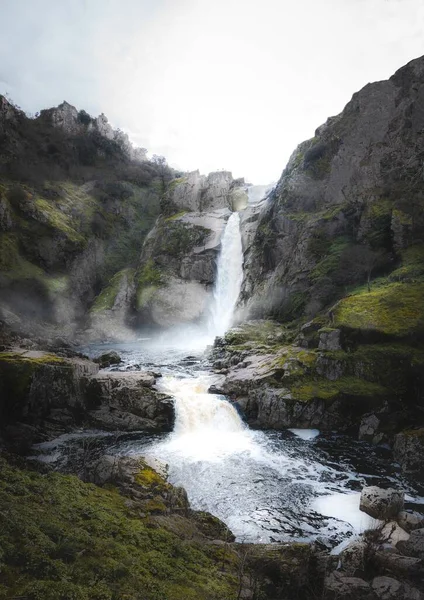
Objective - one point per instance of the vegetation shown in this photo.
(393, 310)
(149, 278)
(106, 299)
(62, 539)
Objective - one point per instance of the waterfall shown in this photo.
(207, 427)
(229, 278)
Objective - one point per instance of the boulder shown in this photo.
(414, 546)
(398, 565)
(410, 520)
(368, 427)
(329, 339)
(126, 400)
(380, 503)
(393, 533)
(387, 588)
(352, 558)
(340, 587)
(408, 450)
(107, 359)
(146, 488)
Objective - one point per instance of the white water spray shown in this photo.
(229, 278)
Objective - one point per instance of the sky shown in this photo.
(209, 84)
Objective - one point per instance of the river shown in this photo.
(267, 486)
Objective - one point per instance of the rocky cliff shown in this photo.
(348, 209)
(336, 256)
(177, 267)
(76, 201)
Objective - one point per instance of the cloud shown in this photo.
(208, 83)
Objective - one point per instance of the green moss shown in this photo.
(328, 390)
(149, 278)
(57, 285)
(58, 220)
(147, 477)
(395, 309)
(175, 182)
(397, 367)
(12, 262)
(265, 333)
(177, 238)
(176, 216)
(331, 260)
(411, 269)
(63, 539)
(43, 358)
(106, 299)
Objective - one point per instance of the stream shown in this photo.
(267, 486)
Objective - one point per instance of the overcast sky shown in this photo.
(210, 84)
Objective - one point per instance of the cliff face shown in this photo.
(76, 201)
(177, 267)
(336, 256)
(348, 207)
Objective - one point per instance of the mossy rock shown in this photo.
(324, 389)
(395, 310)
(17, 373)
(65, 539)
(107, 297)
(148, 278)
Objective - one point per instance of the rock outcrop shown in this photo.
(43, 395)
(76, 203)
(206, 193)
(177, 267)
(381, 504)
(347, 207)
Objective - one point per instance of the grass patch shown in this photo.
(328, 390)
(63, 539)
(107, 297)
(395, 309)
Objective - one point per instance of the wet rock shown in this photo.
(126, 400)
(329, 339)
(380, 503)
(399, 565)
(368, 427)
(337, 585)
(393, 533)
(410, 520)
(352, 558)
(387, 588)
(414, 546)
(160, 466)
(408, 450)
(107, 359)
(43, 390)
(211, 526)
(215, 389)
(281, 570)
(147, 489)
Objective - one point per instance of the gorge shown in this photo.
(298, 308)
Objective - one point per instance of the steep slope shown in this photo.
(336, 255)
(76, 201)
(177, 266)
(348, 208)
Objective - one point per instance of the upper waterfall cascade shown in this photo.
(229, 278)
